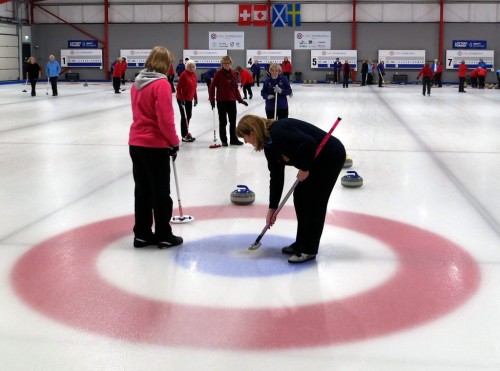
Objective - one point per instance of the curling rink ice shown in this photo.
(407, 276)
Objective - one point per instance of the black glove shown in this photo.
(243, 102)
(212, 104)
(195, 102)
(172, 151)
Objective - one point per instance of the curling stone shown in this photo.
(347, 162)
(352, 180)
(85, 84)
(242, 195)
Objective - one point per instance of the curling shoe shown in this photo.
(188, 138)
(236, 142)
(291, 250)
(301, 258)
(170, 242)
(143, 242)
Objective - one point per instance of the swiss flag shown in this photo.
(259, 15)
(245, 15)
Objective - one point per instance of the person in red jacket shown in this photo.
(186, 94)
(152, 141)
(481, 77)
(170, 77)
(246, 81)
(473, 78)
(124, 69)
(427, 74)
(224, 90)
(286, 68)
(117, 75)
(462, 74)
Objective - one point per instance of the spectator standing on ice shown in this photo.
(256, 72)
(462, 74)
(381, 72)
(246, 81)
(286, 68)
(187, 98)
(346, 71)
(117, 75)
(33, 73)
(124, 69)
(152, 142)
(52, 70)
(437, 74)
(180, 68)
(427, 74)
(364, 73)
(337, 67)
(276, 87)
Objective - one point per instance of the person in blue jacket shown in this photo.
(256, 72)
(381, 72)
(52, 70)
(277, 87)
(292, 142)
(209, 75)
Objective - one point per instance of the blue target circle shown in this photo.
(228, 255)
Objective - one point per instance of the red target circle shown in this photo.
(59, 278)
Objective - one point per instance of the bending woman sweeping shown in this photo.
(294, 142)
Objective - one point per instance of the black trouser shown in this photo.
(437, 80)
(256, 78)
(227, 110)
(426, 85)
(311, 196)
(363, 78)
(188, 106)
(247, 88)
(473, 82)
(151, 170)
(53, 84)
(380, 79)
(336, 76)
(208, 82)
(461, 83)
(116, 84)
(498, 78)
(369, 80)
(480, 81)
(123, 78)
(170, 79)
(281, 113)
(345, 82)
(33, 86)
(287, 75)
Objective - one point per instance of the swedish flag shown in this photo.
(293, 11)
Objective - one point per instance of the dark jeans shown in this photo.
(437, 80)
(227, 110)
(53, 84)
(247, 88)
(256, 78)
(461, 84)
(170, 79)
(116, 84)
(363, 78)
(345, 82)
(188, 106)
(151, 170)
(369, 79)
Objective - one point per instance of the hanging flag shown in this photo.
(278, 15)
(245, 15)
(259, 17)
(293, 11)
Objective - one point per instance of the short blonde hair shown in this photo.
(226, 59)
(159, 60)
(257, 125)
(275, 66)
(31, 59)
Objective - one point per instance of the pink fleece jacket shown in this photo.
(153, 115)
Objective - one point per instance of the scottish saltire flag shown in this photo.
(278, 15)
(293, 11)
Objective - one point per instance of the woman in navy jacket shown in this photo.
(276, 87)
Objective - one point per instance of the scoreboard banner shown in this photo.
(205, 58)
(81, 58)
(402, 59)
(325, 58)
(135, 57)
(267, 56)
(471, 58)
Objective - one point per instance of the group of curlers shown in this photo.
(153, 141)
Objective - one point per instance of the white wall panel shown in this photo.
(39, 16)
(121, 14)
(8, 42)
(226, 13)
(369, 13)
(425, 13)
(9, 74)
(71, 14)
(397, 13)
(313, 13)
(339, 12)
(456, 12)
(172, 13)
(484, 13)
(147, 13)
(93, 14)
(7, 29)
(11, 63)
(201, 13)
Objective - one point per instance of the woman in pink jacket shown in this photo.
(152, 141)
